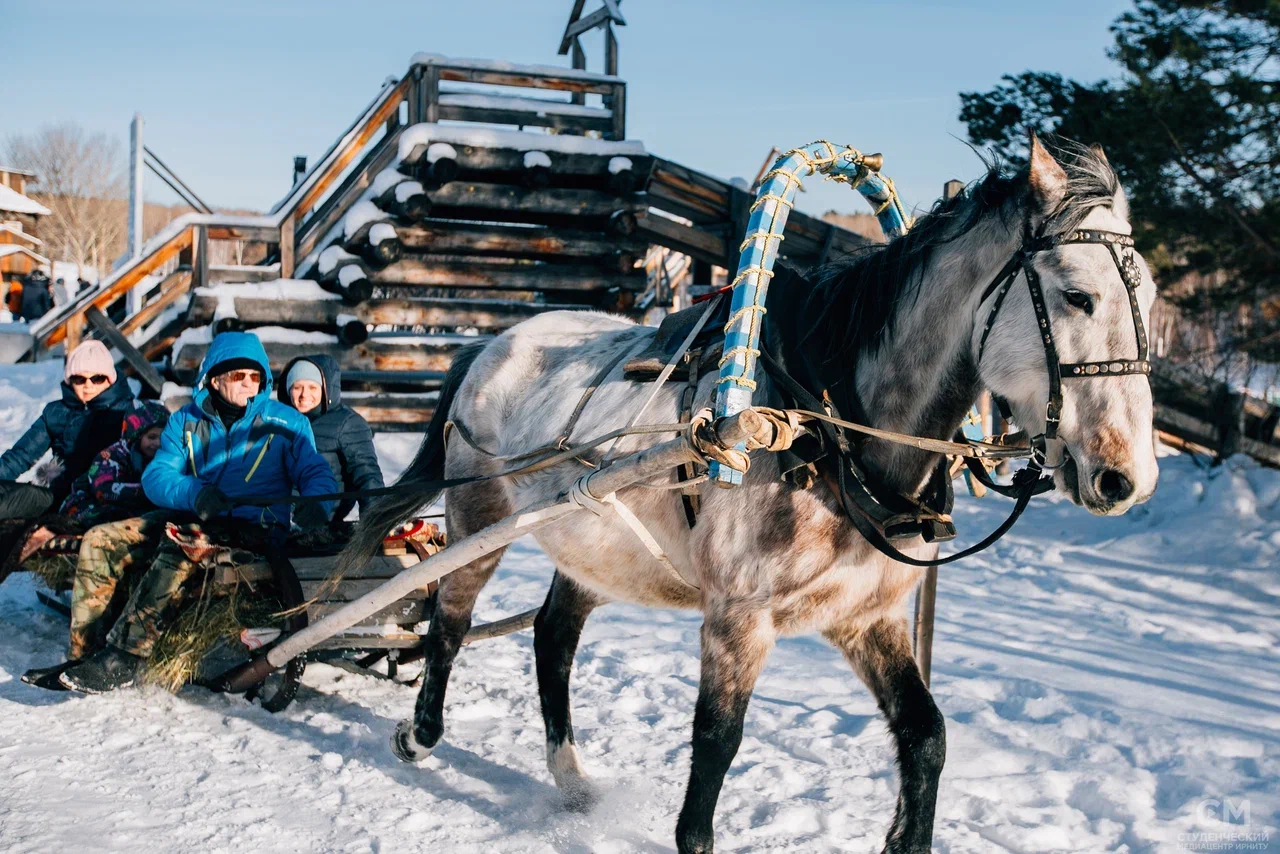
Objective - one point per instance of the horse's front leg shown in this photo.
(881, 656)
(736, 639)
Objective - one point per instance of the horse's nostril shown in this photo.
(1114, 486)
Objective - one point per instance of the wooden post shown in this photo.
(927, 595)
(143, 368)
(580, 63)
(287, 235)
(200, 263)
(75, 332)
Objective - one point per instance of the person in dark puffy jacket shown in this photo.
(313, 386)
(84, 421)
(36, 299)
(112, 487)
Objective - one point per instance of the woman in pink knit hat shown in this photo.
(76, 427)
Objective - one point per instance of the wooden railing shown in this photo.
(186, 238)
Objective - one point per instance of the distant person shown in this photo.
(313, 386)
(60, 291)
(82, 285)
(13, 299)
(36, 299)
(76, 427)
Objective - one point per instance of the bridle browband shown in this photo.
(1126, 262)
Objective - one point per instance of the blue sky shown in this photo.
(230, 91)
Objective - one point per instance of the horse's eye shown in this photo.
(1080, 300)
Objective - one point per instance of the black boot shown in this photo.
(104, 671)
(47, 677)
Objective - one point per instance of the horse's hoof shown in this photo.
(580, 797)
(405, 746)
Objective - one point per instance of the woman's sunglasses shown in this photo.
(96, 379)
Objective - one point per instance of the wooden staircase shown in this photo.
(426, 226)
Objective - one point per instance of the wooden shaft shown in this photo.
(926, 599)
(640, 466)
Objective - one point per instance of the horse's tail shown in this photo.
(393, 508)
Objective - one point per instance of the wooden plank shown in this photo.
(422, 271)
(255, 233)
(474, 159)
(696, 242)
(514, 200)
(527, 117)
(171, 290)
(524, 80)
(510, 240)
(389, 419)
(373, 355)
(429, 312)
(220, 273)
(143, 368)
(398, 640)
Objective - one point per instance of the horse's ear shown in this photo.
(1048, 180)
(1099, 153)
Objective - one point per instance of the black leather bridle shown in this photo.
(1125, 257)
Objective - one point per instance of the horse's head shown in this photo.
(1065, 329)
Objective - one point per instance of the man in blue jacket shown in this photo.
(230, 444)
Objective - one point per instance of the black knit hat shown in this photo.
(239, 363)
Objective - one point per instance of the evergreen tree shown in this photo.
(1192, 125)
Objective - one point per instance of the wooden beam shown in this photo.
(691, 240)
(512, 202)
(428, 312)
(524, 80)
(527, 118)
(421, 270)
(143, 368)
(288, 232)
(376, 354)
(436, 236)
(220, 273)
(171, 290)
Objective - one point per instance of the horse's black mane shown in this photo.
(855, 299)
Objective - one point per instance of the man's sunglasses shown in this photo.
(96, 379)
(242, 376)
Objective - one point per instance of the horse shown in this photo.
(911, 331)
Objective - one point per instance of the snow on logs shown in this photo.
(438, 166)
(343, 274)
(368, 232)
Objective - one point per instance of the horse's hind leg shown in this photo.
(555, 640)
(736, 640)
(881, 655)
(480, 505)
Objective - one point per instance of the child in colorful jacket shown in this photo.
(112, 487)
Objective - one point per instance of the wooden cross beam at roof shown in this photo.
(604, 17)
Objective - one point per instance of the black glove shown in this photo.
(212, 502)
(311, 516)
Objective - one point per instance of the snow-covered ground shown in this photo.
(1110, 685)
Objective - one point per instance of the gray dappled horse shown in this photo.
(774, 557)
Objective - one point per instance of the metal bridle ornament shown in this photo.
(760, 252)
(1120, 247)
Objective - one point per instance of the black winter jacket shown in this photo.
(75, 431)
(343, 438)
(36, 301)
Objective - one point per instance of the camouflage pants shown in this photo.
(173, 575)
(109, 555)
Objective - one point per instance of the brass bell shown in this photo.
(874, 162)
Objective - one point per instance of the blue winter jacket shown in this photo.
(269, 451)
